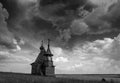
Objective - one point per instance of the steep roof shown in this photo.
(48, 50)
(41, 56)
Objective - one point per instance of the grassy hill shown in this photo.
(27, 78)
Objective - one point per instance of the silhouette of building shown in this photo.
(43, 65)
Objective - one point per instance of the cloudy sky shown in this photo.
(84, 33)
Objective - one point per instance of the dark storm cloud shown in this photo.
(104, 20)
(113, 16)
(70, 23)
(63, 13)
(63, 21)
(11, 6)
(15, 10)
(6, 37)
(46, 19)
(64, 7)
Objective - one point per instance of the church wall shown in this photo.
(33, 69)
(50, 71)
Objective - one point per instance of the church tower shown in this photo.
(43, 65)
(50, 69)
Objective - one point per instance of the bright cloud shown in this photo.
(100, 56)
(61, 59)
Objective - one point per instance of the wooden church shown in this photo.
(43, 65)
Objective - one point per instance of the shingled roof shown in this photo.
(41, 56)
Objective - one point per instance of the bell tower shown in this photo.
(50, 68)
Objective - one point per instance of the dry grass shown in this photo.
(26, 78)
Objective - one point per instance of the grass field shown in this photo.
(93, 77)
(27, 78)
